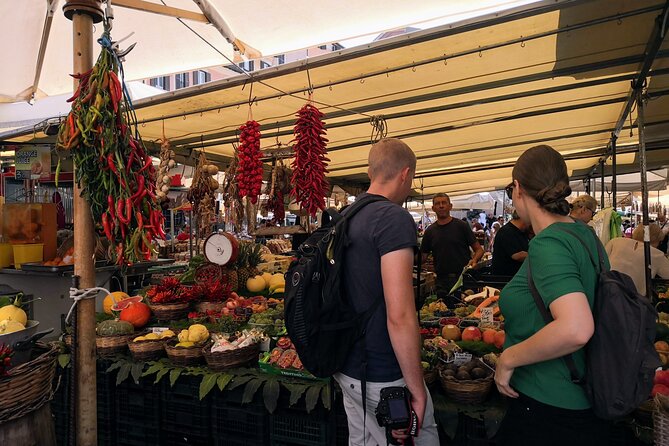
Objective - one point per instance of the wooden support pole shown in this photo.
(83, 13)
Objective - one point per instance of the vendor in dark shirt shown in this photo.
(451, 242)
(511, 245)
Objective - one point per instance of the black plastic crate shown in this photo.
(234, 424)
(60, 407)
(341, 422)
(471, 432)
(295, 427)
(185, 419)
(106, 389)
(137, 409)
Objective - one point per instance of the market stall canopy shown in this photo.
(165, 45)
(631, 182)
(469, 98)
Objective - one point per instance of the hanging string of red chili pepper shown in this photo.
(310, 186)
(113, 167)
(249, 169)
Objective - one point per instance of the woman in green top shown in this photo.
(545, 406)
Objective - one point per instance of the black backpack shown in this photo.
(620, 357)
(320, 320)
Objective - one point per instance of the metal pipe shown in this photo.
(601, 167)
(614, 168)
(644, 185)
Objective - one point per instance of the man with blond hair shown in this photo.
(378, 267)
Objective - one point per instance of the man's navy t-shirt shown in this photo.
(449, 244)
(508, 241)
(377, 229)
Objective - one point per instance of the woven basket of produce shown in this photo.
(661, 420)
(430, 376)
(143, 349)
(169, 312)
(229, 359)
(184, 356)
(28, 386)
(108, 346)
(469, 383)
(203, 307)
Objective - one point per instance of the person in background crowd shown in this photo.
(378, 266)
(583, 208)
(494, 229)
(662, 223)
(510, 248)
(626, 255)
(451, 242)
(476, 225)
(544, 406)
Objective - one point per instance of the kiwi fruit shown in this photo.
(463, 375)
(478, 372)
(452, 367)
(448, 372)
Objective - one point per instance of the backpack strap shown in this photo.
(545, 314)
(601, 255)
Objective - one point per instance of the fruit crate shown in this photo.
(471, 432)
(137, 408)
(297, 428)
(184, 418)
(106, 388)
(341, 422)
(236, 424)
(60, 407)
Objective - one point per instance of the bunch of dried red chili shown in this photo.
(113, 168)
(249, 169)
(310, 164)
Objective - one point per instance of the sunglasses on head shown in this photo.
(509, 191)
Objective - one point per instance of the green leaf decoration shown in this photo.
(153, 368)
(251, 389)
(114, 366)
(311, 399)
(270, 394)
(223, 380)
(240, 380)
(174, 374)
(123, 373)
(326, 397)
(162, 372)
(136, 371)
(64, 360)
(296, 391)
(208, 383)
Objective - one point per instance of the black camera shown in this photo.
(394, 412)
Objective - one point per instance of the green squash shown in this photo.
(114, 328)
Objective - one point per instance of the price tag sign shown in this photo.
(462, 358)
(487, 315)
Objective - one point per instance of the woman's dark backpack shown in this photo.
(620, 357)
(320, 319)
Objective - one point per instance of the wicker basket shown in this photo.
(203, 307)
(28, 386)
(184, 356)
(472, 391)
(430, 376)
(661, 420)
(148, 350)
(218, 361)
(169, 312)
(109, 346)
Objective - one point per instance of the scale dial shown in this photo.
(221, 248)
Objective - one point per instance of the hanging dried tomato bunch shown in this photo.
(249, 170)
(310, 164)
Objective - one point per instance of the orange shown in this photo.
(489, 336)
(500, 336)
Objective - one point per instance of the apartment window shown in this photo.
(181, 80)
(160, 82)
(201, 77)
(323, 47)
(247, 66)
(264, 64)
(337, 47)
(280, 59)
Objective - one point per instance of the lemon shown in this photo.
(197, 333)
(9, 326)
(183, 336)
(152, 336)
(276, 279)
(186, 344)
(267, 277)
(139, 338)
(255, 284)
(13, 313)
(167, 334)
